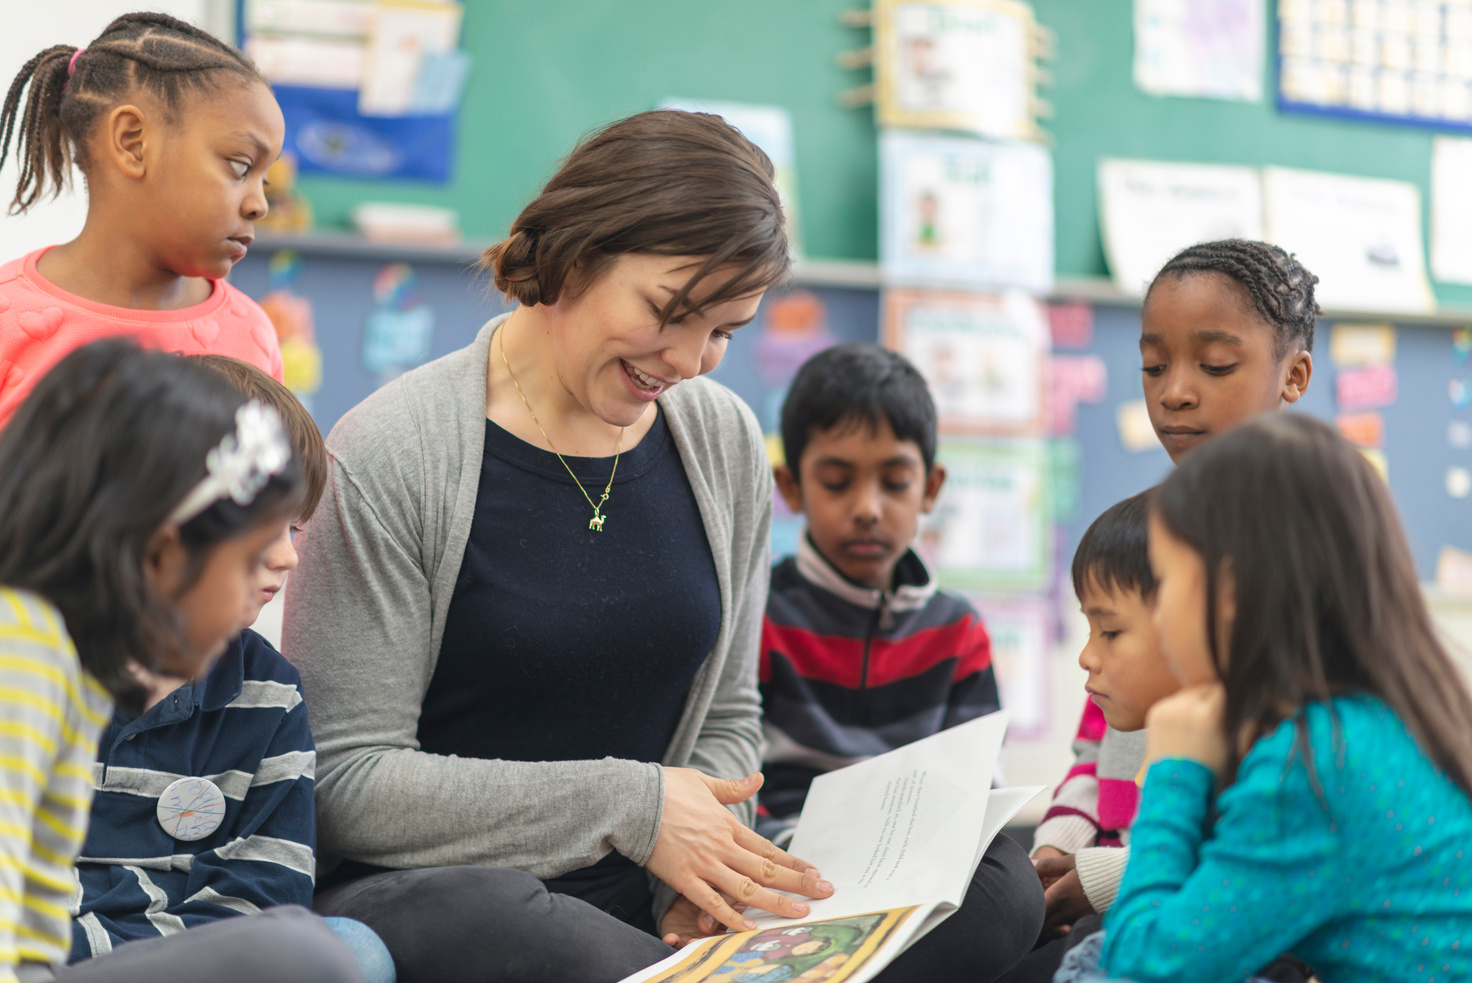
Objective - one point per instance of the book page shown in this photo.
(901, 829)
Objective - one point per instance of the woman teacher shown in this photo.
(528, 610)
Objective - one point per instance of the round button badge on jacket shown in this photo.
(191, 809)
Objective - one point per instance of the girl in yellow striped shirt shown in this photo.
(138, 498)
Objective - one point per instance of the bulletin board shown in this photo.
(547, 72)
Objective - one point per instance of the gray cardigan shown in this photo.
(366, 611)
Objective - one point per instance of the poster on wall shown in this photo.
(982, 355)
(990, 528)
(956, 65)
(1150, 210)
(1360, 236)
(964, 212)
(1021, 632)
(1207, 48)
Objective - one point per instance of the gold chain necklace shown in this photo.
(595, 523)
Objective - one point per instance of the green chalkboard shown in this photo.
(547, 71)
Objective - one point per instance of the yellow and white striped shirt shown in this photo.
(52, 713)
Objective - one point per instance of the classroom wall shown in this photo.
(547, 71)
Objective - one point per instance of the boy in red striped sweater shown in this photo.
(860, 652)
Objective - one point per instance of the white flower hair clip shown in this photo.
(242, 463)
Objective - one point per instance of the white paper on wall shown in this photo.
(1360, 236)
(1151, 210)
(1451, 209)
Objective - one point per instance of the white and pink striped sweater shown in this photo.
(1095, 804)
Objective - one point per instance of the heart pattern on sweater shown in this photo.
(205, 331)
(10, 374)
(41, 325)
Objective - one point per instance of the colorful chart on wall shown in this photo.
(990, 527)
(981, 354)
(1377, 59)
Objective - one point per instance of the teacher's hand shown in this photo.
(705, 854)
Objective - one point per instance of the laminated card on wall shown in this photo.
(991, 526)
(956, 211)
(981, 354)
(1150, 210)
(1361, 236)
(956, 65)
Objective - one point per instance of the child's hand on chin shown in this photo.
(1188, 724)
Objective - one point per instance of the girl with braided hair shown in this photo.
(172, 130)
(1227, 332)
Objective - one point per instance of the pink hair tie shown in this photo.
(71, 66)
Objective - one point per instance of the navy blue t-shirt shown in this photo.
(563, 643)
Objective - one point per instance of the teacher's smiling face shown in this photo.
(610, 351)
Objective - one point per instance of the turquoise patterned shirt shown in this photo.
(1373, 882)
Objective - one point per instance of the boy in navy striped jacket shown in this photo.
(202, 804)
(860, 652)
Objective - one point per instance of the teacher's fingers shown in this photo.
(710, 900)
(763, 878)
(753, 842)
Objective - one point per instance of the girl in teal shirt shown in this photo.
(1307, 790)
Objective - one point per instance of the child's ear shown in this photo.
(1300, 371)
(124, 135)
(165, 560)
(788, 487)
(933, 482)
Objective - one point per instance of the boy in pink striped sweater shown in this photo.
(1081, 846)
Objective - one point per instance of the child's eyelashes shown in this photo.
(1152, 370)
(1218, 369)
(723, 335)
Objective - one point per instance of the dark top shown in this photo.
(564, 643)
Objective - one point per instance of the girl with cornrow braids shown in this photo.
(172, 130)
(1227, 333)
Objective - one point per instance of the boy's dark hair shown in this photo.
(666, 182)
(154, 53)
(96, 458)
(306, 440)
(1114, 553)
(1327, 602)
(1279, 287)
(857, 383)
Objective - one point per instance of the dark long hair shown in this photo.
(91, 465)
(1327, 600)
(666, 182)
(143, 52)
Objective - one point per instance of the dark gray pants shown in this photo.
(490, 925)
(282, 945)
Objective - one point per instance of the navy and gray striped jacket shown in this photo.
(244, 727)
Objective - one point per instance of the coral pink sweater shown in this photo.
(40, 323)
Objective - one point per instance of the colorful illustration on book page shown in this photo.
(830, 951)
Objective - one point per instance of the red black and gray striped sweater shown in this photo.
(848, 672)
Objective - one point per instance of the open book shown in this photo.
(899, 836)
